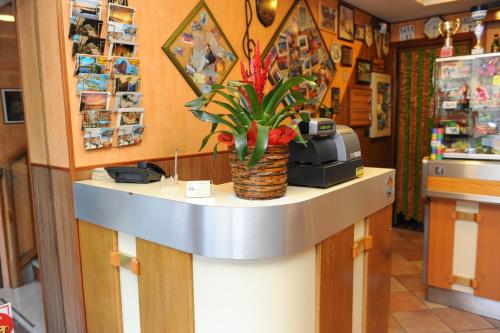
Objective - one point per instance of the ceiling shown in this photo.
(402, 10)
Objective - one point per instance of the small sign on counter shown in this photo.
(199, 189)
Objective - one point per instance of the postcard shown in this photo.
(90, 64)
(130, 135)
(95, 119)
(123, 32)
(126, 118)
(123, 65)
(92, 82)
(84, 27)
(121, 49)
(90, 9)
(126, 83)
(88, 45)
(94, 101)
(127, 100)
(96, 138)
(119, 2)
(120, 14)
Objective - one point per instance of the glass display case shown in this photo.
(467, 104)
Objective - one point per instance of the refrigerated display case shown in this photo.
(467, 105)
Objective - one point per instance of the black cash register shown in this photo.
(332, 155)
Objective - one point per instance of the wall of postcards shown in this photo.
(107, 73)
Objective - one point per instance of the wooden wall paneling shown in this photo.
(463, 185)
(31, 80)
(101, 281)
(487, 262)
(378, 272)
(165, 289)
(69, 256)
(334, 273)
(48, 250)
(441, 239)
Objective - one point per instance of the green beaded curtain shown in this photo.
(414, 122)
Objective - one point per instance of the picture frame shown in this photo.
(381, 105)
(298, 48)
(191, 49)
(346, 22)
(363, 71)
(328, 17)
(359, 32)
(12, 106)
(335, 100)
(347, 57)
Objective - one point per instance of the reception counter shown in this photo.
(316, 260)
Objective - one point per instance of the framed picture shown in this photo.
(346, 56)
(200, 50)
(335, 100)
(327, 17)
(346, 22)
(363, 71)
(359, 32)
(298, 48)
(12, 105)
(381, 105)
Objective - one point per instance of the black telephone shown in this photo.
(144, 173)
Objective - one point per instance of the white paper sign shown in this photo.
(407, 32)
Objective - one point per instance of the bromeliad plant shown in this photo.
(255, 119)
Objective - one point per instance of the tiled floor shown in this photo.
(410, 312)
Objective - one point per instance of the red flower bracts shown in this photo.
(277, 136)
(258, 72)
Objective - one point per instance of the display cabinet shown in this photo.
(467, 104)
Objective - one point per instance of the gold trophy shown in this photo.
(448, 29)
(478, 13)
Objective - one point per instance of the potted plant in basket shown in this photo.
(255, 129)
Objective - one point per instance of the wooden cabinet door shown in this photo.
(378, 271)
(488, 245)
(441, 242)
(334, 271)
(101, 281)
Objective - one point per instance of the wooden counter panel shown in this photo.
(334, 272)
(487, 262)
(101, 281)
(165, 289)
(463, 185)
(441, 239)
(378, 272)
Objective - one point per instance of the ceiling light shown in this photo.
(7, 18)
(433, 2)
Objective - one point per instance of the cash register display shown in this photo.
(325, 127)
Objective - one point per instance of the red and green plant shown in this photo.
(255, 119)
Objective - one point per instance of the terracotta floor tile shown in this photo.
(394, 326)
(396, 285)
(462, 321)
(404, 244)
(493, 322)
(423, 321)
(412, 281)
(400, 266)
(410, 255)
(422, 297)
(419, 264)
(405, 301)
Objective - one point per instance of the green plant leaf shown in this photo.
(234, 108)
(215, 118)
(216, 150)
(260, 145)
(305, 116)
(281, 91)
(254, 101)
(273, 120)
(241, 145)
(298, 138)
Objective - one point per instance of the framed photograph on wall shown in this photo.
(335, 100)
(363, 71)
(200, 50)
(12, 105)
(327, 17)
(359, 32)
(346, 22)
(381, 105)
(346, 56)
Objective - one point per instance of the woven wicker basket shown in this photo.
(266, 180)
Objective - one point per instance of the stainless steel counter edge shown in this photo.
(234, 233)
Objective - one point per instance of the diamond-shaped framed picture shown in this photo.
(298, 48)
(200, 50)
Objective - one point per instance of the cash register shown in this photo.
(331, 156)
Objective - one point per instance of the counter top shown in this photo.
(225, 226)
